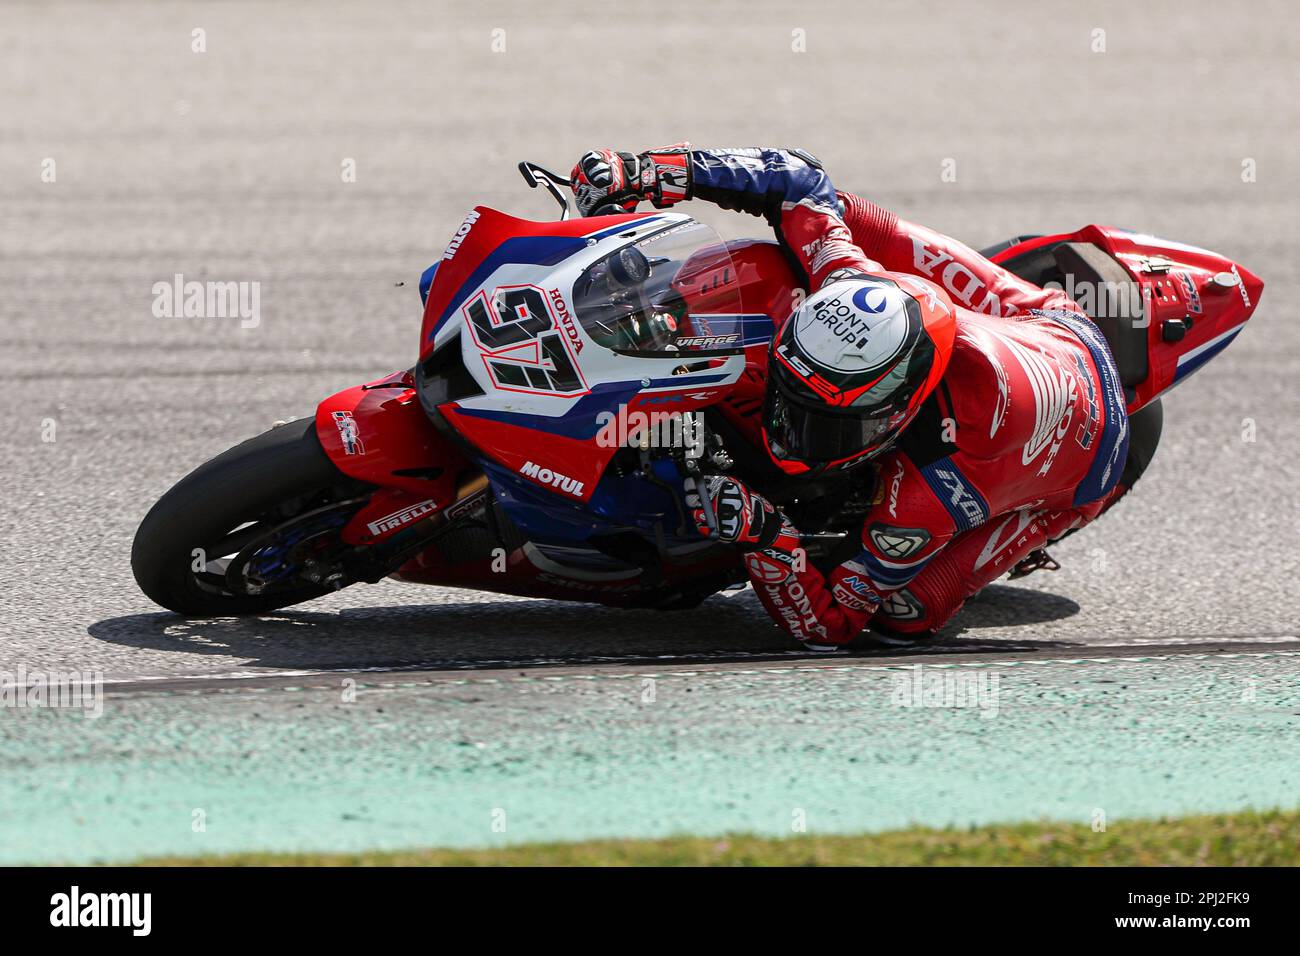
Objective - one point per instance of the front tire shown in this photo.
(224, 510)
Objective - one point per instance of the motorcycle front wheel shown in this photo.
(252, 530)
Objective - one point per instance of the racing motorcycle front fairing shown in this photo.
(549, 347)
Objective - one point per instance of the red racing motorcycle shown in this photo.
(573, 380)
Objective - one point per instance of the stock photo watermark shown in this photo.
(924, 686)
(209, 299)
(22, 689)
(645, 430)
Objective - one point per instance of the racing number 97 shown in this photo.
(521, 316)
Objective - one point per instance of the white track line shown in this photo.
(735, 657)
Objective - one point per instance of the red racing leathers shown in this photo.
(1024, 440)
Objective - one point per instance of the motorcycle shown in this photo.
(575, 378)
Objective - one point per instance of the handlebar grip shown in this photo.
(700, 488)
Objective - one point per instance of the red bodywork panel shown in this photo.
(392, 435)
(484, 232)
(743, 277)
(1182, 290)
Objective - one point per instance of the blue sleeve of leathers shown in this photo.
(761, 180)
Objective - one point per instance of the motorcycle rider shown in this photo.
(990, 409)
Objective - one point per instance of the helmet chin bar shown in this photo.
(781, 453)
(848, 372)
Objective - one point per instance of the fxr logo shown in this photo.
(961, 498)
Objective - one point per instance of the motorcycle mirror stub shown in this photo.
(536, 175)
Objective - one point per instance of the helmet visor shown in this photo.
(818, 435)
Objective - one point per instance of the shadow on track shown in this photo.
(494, 633)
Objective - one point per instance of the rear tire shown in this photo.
(262, 479)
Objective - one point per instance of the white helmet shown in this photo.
(850, 370)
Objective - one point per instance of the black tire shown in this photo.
(283, 465)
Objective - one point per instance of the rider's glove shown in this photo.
(725, 509)
(606, 182)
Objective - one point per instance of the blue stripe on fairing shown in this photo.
(579, 422)
(426, 282)
(1196, 361)
(621, 227)
(524, 250)
(1112, 450)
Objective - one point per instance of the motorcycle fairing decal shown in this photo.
(534, 512)
(348, 435)
(517, 332)
(391, 436)
(519, 250)
(388, 511)
(1189, 362)
(748, 328)
(1192, 294)
(574, 464)
(560, 241)
(580, 421)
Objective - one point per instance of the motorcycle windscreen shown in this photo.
(645, 297)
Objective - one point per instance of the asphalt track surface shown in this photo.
(226, 165)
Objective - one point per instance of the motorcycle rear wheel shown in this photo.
(273, 503)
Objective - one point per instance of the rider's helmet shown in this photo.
(850, 370)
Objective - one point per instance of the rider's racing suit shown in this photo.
(1024, 440)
